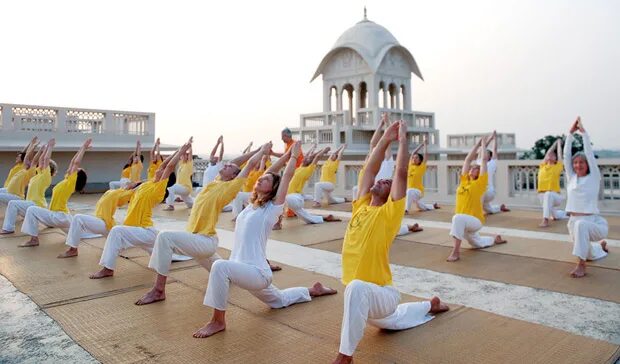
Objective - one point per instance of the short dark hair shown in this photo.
(22, 155)
(172, 179)
(141, 158)
(420, 156)
(53, 167)
(287, 131)
(490, 153)
(80, 183)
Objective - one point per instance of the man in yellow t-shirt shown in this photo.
(183, 188)
(295, 198)
(415, 180)
(468, 213)
(137, 229)
(58, 213)
(549, 174)
(377, 214)
(199, 240)
(44, 171)
(327, 183)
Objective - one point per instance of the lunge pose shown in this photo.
(19, 164)
(583, 183)
(216, 163)
(369, 294)
(327, 184)
(58, 214)
(183, 188)
(415, 180)
(490, 157)
(247, 266)
(16, 187)
(387, 164)
(155, 160)
(549, 174)
(469, 217)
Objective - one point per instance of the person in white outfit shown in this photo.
(327, 183)
(137, 229)
(369, 295)
(295, 198)
(468, 213)
(247, 266)
(415, 180)
(491, 159)
(585, 225)
(35, 196)
(58, 213)
(183, 188)
(548, 184)
(199, 240)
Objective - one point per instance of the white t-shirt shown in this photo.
(582, 192)
(386, 171)
(251, 233)
(211, 172)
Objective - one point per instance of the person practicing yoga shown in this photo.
(491, 159)
(369, 295)
(58, 213)
(16, 187)
(325, 187)
(243, 197)
(583, 182)
(295, 198)
(45, 169)
(155, 160)
(126, 173)
(216, 163)
(549, 174)
(247, 266)
(199, 240)
(137, 229)
(415, 180)
(287, 138)
(19, 164)
(183, 188)
(135, 172)
(469, 217)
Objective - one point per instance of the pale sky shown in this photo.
(242, 69)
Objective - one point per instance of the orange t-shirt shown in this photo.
(300, 159)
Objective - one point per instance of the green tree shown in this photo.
(540, 147)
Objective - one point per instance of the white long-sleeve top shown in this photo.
(582, 191)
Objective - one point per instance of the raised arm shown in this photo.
(399, 182)
(136, 153)
(248, 148)
(320, 154)
(256, 158)
(170, 163)
(338, 153)
(277, 166)
(558, 152)
(77, 158)
(494, 137)
(552, 149)
(471, 156)
(416, 150)
(289, 171)
(587, 149)
(425, 148)
(35, 160)
(214, 150)
(152, 155)
(376, 136)
(568, 148)
(244, 157)
(44, 162)
(376, 157)
(29, 152)
(483, 163)
(221, 148)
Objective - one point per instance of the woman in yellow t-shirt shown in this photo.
(184, 187)
(549, 174)
(125, 175)
(45, 169)
(16, 186)
(19, 164)
(58, 214)
(155, 160)
(327, 183)
(415, 180)
(469, 216)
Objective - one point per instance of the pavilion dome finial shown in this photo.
(365, 13)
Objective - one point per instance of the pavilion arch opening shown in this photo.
(333, 98)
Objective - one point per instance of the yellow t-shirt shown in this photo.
(185, 174)
(248, 186)
(415, 176)
(301, 176)
(209, 203)
(469, 196)
(153, 168)
(135, 172)
(367, 241)
(126, 173)
(549, 176)
(17, 184)
(38, 185)
(62, 192)
(145, 198)
(16, 168)
(107, 204)
(328, 171)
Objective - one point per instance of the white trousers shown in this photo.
(379, 306)
(585, 229)
(181, 191)
(250, 278)
(415, 196)
(404, 230)
(123, 237)
(295, 202)
(2, 190)
(115, 185)
(36, 215)
(325, 189)
(198, 246)
(466, 227)
(242, 198)
(5, 197)
(83, 226)
(227, 208)
(14, 208)
(486, 202)
(550, 202)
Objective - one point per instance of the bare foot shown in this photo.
(331, 218)
(104, 272)
(343, 359)
(277, 226)
(437, 306)
(436, 206)
(152, 296)
(499, 240)
(579, 271)
(316, 204)
(544, 223)
(503, 208)
(604, 246)
(209, 329)
(454, 256)
(318, 289)
(414, 228)
(168, 208)
(178, 199)
(29, 243)
(274, 267)
(71, 252)
(4, 232)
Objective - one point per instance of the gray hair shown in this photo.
(581, 155)
(287, 131)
